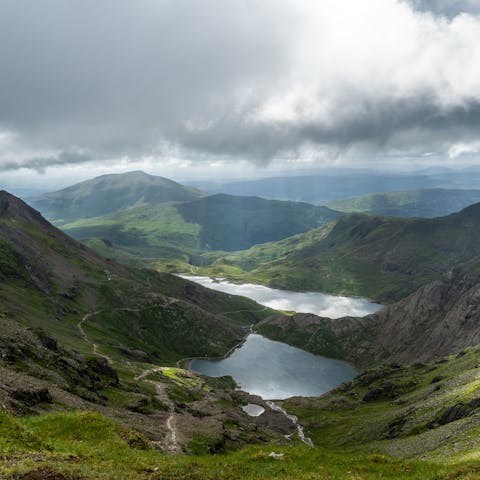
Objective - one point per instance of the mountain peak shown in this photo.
(12, 207)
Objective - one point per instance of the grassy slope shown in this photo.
(89, 446)
(428, 203)
(376, 257)
(234, 223)
(50, 281)
(428, 411)
(156, 231)
(421, 415)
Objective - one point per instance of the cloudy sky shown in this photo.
(183, 86)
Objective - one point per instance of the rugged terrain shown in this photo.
(89, 387)
(79, 331)
(440, 318)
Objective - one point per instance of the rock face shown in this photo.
(441, 318)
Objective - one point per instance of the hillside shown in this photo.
(439, 319)
(234, 223)
(77, 331)
(184, 230)
(108, 194)
(376, 257)
(428, 203)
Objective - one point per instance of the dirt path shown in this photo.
(86, 317)
(95, 349)
(170, 443)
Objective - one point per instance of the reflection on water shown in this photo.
(275, 370)
(324, 305)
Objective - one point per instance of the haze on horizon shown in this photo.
(246, 88)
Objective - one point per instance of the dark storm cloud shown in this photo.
(449, 8)
(241, 78)
(39, 164)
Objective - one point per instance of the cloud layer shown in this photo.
(250, 79)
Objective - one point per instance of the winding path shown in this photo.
(85, 337)
(170, 443)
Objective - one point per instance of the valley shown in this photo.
(126, 331)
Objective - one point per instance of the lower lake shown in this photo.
(275, 370)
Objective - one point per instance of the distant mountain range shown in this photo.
(330, 185)
(428, 203)
(133, 216)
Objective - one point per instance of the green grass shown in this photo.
(146, 232)
(90, 446)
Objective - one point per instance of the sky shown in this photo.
(196, 88)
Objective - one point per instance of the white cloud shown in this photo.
(109, 79)
(459, 149)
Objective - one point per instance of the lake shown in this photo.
(274, 370)
(321, 304)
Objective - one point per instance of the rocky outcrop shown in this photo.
(441, 318)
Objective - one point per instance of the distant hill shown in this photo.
(183, 230)
(109, 194)
(428, 203)
(234, 222)
(372, 256)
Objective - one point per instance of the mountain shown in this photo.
(61, 279)
(429, 203)
(110, 193)
(377, 257)
(184, 230)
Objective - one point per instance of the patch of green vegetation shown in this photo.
(408, 412)
(142, 232)
(88, 446)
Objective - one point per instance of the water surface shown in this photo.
(322, 304)
(275, 370)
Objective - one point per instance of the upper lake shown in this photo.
(321, 304)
